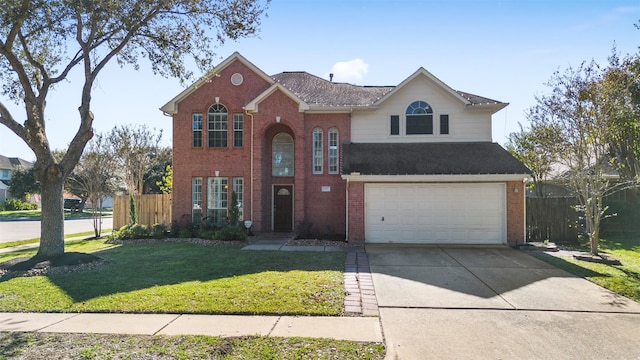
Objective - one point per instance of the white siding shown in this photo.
(464, 124)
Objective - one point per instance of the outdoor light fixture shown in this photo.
(515, 189)
(247, 224)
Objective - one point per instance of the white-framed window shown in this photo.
(238, 188)
(217, 200)
(196, 123)
(419, 119)
(238, 127)
(317, 151)
(332, 151)
(217, 126)
(196, 200)
(282, 155)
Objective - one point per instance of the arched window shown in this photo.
(282, 155)
(317, 151)
(419, 119)
(217, 125)
(333, 151)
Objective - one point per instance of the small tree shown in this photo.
(133, 212)
(234, 209)
(166, 184)
(575, 109)
(23, 183)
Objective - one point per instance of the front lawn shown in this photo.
(623, 279)
(96, 346)
(184, 278)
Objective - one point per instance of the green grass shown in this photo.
(36, 240)
(99, 346)
(623, 279)
(34, 215)
(185, 278)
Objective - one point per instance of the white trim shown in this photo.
(357, 177)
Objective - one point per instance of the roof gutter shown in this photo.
(357, 177)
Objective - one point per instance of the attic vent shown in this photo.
(237, 79)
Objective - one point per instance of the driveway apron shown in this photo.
(495, 302)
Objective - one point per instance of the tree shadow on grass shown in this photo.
(137, 267)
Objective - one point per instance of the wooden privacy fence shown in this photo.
(152, 209)
(553, 219)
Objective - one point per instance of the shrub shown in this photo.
(17, 204)
(158, 231)
(229, 233)
(133, 231)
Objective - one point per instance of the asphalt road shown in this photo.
(23, 230)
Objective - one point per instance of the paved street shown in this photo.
(22, 230)
(495, 303)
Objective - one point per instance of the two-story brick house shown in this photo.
(408, 163)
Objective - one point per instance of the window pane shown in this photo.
(238, 188)
(282, 155)
(196, 200)
(217, 124)
(333, 151)
(217, 201)
(419, 124)
(196, 124)
(238, 126)
(317, 151)
(444, 124)
(395, 125)
(419, 107)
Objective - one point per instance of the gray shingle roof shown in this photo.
(11, 162)
(318, 91)
(470, 158)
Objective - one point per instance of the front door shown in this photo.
(283, 208)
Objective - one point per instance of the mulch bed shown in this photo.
(66, 263)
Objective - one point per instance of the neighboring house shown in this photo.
(7, 165)
(412, 163)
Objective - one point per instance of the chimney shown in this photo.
(331, 77)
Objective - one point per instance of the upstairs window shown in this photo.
(238, 127)
(317, 151)
(444, 124)
(333, 151)
(217, 124)
(395, 125)
(419, 119)
(196, 123)
(282, 155)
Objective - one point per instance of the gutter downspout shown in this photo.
(250, 113)
(347, 211)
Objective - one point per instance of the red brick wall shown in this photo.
(326, 211)
(515, 212)
(356, 211)
(230, 162)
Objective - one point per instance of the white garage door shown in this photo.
(435, 213)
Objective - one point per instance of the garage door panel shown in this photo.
(435, 213)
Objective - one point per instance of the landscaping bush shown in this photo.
(230, 233)
(128, 232)
(17, 204)
(158, 231)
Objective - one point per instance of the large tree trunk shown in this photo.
(52, 223)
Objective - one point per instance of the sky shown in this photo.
(504, 50)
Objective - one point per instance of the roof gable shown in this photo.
(253, 104)
(171, 107)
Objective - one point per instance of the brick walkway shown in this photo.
(360, 298)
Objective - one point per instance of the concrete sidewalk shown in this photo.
(363, 329)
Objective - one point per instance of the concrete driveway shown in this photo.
(495, 303)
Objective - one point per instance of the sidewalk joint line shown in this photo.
(167, 324)
(58, 322)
